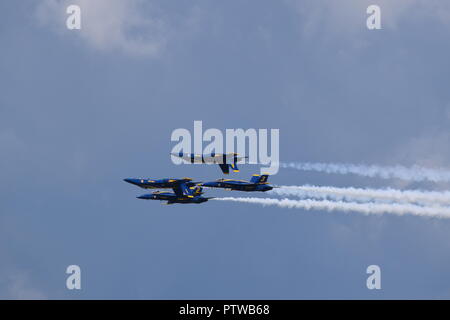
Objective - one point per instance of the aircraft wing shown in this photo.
(238, 158)
(188, 157)
(216, 158)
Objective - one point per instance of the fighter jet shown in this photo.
(224, 160)
(257, 183)
(184, 190)
(161, 183)
(192, 195)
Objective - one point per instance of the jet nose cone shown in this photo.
(132, 181)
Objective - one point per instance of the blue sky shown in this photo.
(81, 110)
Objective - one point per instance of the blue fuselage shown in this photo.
(173, 198)
(159, 184)
(238, 185)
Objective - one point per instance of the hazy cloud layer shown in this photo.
(347, 17)
(19, 287)
(134, 27)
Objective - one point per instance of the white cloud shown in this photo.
(135, 27)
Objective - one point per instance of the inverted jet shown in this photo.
(224, 160)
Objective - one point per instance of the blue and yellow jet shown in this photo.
(192, 195)
(160, 183)
(256, 183)
(184, 190)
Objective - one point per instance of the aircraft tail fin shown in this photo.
(234, 167)
(257, 178)
(180, 189)
(194, 191)
(225, 167)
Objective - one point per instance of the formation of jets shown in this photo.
(187, 191)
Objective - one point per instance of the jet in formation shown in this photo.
(184, 190)
(161, 183)
(224, 160)
(256, 183)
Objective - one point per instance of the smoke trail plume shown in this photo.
(360, 194)
(414, 173)
(366, 208)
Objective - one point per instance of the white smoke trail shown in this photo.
(414, 173)
(366, 208)
(366, 194)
